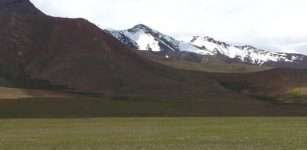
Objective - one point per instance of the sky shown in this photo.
(276, 25)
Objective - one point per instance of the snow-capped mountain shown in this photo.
(247, 53)
(142, 37)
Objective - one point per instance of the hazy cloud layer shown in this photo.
(278, 25)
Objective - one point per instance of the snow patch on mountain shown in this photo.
(183, 46)
(144, 40)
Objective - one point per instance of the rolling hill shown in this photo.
(195, 62)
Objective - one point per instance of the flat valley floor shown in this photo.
(262, 133)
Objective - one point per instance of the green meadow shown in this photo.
(218, 133)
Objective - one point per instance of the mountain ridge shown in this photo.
(145, 38)
(24, 7)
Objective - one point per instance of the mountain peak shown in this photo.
(19, 6)
(140, 27)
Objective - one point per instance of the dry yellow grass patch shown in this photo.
(15, 93)
(300, 91)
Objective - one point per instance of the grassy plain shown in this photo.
(154, 133)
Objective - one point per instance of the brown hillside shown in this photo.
(77, 54)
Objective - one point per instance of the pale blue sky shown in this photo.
(278, 25)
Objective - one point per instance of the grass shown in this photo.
(153, 133)
(82, 107)
(206, 98)
(300, 91)
(297, 95)
(216, 67)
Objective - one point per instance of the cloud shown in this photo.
(264, 23)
